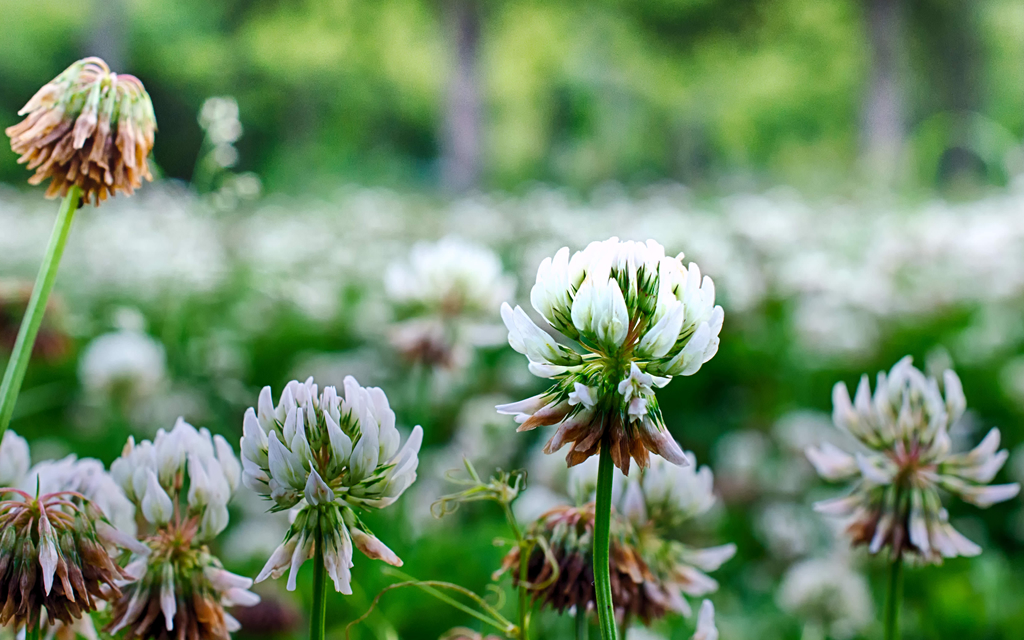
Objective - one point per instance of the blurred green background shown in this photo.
(416, 93)
(849, 173)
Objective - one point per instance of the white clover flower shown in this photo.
(181, 483)
(642, 318)
(444, 296)
(328, 456)
(829, 593)
(14, 459)
(154, 476)
(219, 118)
(895, 502)
(450, 277)
(87, 477)
(123, 361)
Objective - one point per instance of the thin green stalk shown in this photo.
(524, 562)
(894, 600)
(318, 613)
(14, 375)
(34, 632)
(524, 598)
(581, 622)
(602, 542)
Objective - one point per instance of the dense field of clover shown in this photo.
(168, 306)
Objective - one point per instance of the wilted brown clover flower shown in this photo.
(53, 556)
(90, 128)
(569, 533)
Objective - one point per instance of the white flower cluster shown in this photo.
(14, 459)
(329, 456)
(219, 119)
(89, 478)
(181, 483)
(444, 297)
(183, 474)
(123, 362)
(829, 593)
(450, 277)
(904, 427)
(642, 316)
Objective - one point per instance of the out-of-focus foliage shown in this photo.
(573, 92)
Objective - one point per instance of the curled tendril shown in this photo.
(503, 487)
(489, 614)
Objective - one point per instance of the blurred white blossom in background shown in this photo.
(14, 459)
(828, 593)
(125, 364)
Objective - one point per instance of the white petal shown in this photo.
(156, 505)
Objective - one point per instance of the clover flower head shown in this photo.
(904, 429)
(641, 318)
(449, 278)
(181, 483)
(328, 456)
(14, 459)
(654, 502)
(184, 478)
(125, 363)
(55, 554)
(561, 569)
(85, 476)
(88, 127)
(178, 591)
(830, 593)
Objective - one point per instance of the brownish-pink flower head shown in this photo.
(88, 127)
(54, 556)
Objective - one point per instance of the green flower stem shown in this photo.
(602, 542)
(894, 600)
(317, 615)
(35, 631)
(14, 375)
(581, 623)
(524, 597)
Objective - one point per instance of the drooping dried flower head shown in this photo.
(904, 427)
(181, 483)
(88, 127)
(569, 533)
(330, 456)
(87, 477)
(179, 593)
(54, 556)
(642, 318)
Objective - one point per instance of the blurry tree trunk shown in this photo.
(883, 118)
(460, 137)
(108, 32)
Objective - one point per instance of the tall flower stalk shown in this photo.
(905, 459)
(89, 131)
(641, 318)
